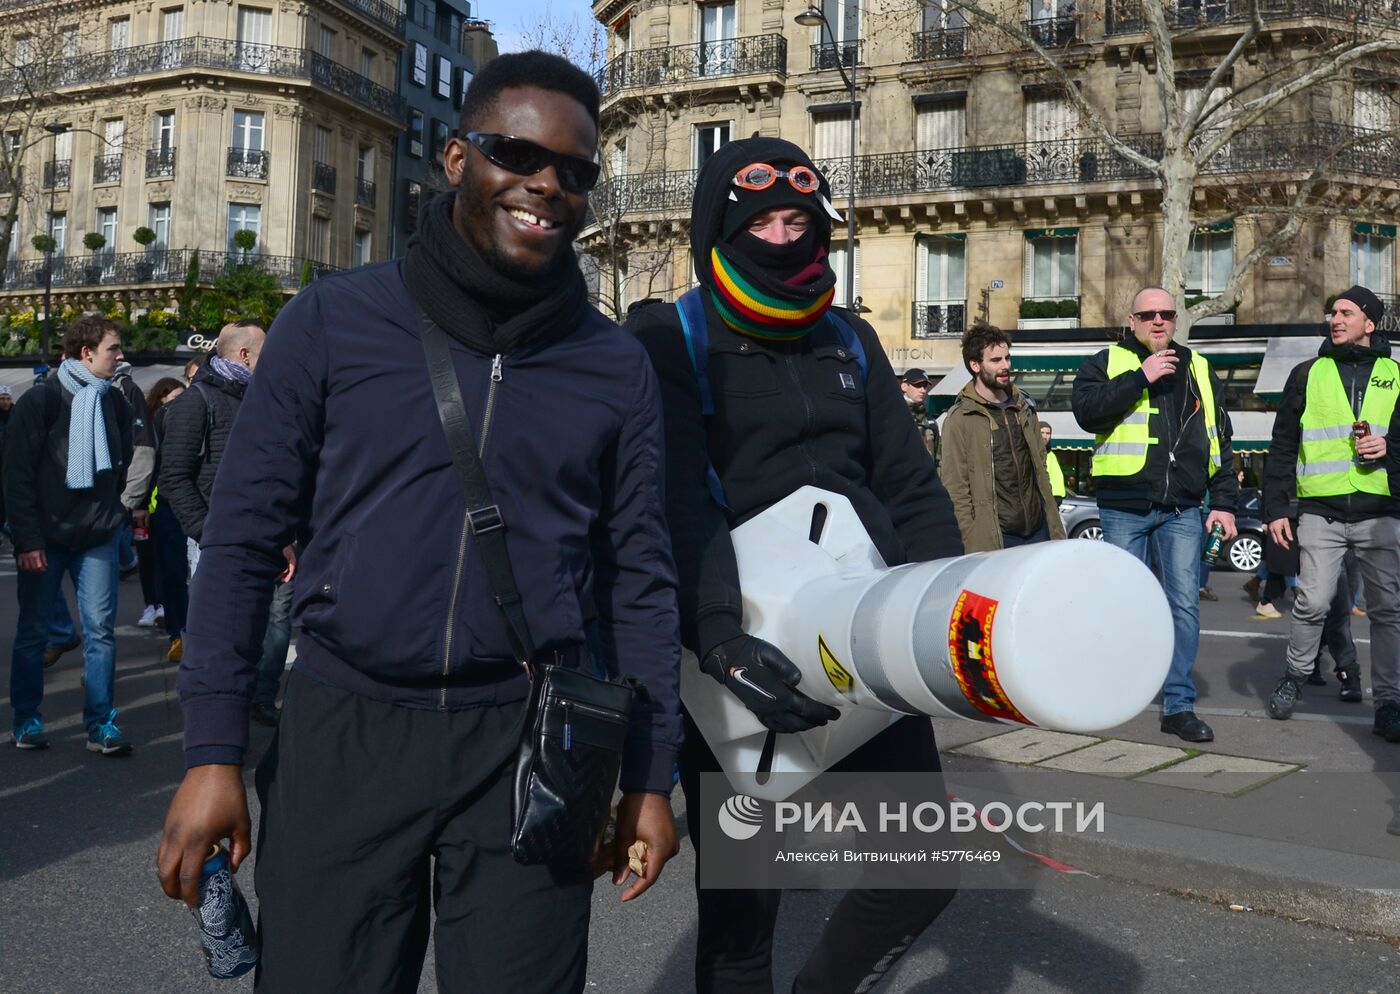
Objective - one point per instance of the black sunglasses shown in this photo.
(525, 158)
(1150, 315)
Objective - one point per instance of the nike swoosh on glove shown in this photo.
(765, 682)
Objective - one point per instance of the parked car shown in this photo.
(1244, 554)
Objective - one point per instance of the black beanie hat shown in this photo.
(1369, 303)
(745, 205)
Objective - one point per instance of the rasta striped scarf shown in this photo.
(769, 313)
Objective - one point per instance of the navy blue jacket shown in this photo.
(338, 444)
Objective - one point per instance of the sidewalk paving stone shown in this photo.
(1115, 758)
(1028, 745)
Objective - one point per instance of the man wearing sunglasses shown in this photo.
(1331, 452)
(792, 392)
(1161, 444)
(386, 795)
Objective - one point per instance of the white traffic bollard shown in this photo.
(1073, 636)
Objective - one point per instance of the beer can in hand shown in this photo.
(1359, 430)
(1214, 544)
(226, 929)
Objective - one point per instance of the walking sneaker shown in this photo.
(1351, 683)
(1208, 595)
(177, 650)
(160, 612)
(53, 653)
(1388, 722)
(1283, 698)
(1251, 587)
(105, 737)
(148, 617)
(1267, 610)
(31, 735)
(1315, 678)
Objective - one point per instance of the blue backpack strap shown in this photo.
(695, 327)
(851, 340)
(691, 308)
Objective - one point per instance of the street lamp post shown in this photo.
(55, 130)
(810, 18)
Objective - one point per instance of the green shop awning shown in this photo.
(1033, 233)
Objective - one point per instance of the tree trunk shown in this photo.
(1179, 179)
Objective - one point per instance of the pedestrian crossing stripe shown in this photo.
(839, 676)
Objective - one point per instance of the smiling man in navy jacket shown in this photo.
(400, 724)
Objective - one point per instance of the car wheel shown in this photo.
(1246, 552)
(1090, 530)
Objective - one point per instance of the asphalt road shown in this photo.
(82, 911)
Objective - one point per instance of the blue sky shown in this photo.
(512, 19)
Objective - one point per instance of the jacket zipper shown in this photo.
(466, 533)
(1186, 421)
(806, 406)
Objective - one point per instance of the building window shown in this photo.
(163, 131)
(838, 266)
(24, 51)
(940, 290)
(461, 79)
(1050, 117)
(59, 230)
(254, 35)
(413, 202)
(1372, 107)
(172, 24)
(442, 78)
(367, 63)
(415, 133)
(159, 222)
(831, 133)
(248, 130)
(440, 136)
(940, 125)
(718, 44)
(119, 33)
(244, 217)
(617, 157)
(320, 238)
(419, 76)
(362, 249)
(1191, 94)
(1052, 266)
(1210, 258)
(325, 42)
(70, 41)
(708, 139)
(844, 17)
(321, 144)
(1373, 257)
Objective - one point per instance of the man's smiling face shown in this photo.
(521, 225)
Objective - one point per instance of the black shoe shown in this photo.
(1284, 697)
(266, 714)
(1351, 684)
(1316, 679)
(1208, 595)
(1251, 587)
(1185, 725)
(1388, 722)
(53, 653)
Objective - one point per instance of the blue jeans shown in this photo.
(126, 552)
(1174, 540)
(62, 631)
(1041, 534)
(94, 573)
(275, 644)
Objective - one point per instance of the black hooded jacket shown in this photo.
(786, 414)
(195, 431)
(1354, 364)
(1177, 473)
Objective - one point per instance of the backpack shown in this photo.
(203, 392)
(695, 327)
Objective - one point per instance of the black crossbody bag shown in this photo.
(575, 724)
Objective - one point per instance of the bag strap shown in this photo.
(483, 514)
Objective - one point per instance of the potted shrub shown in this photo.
(44, 244)
(1067, 308)
(146, 267)
(245, 240)
(94, 242)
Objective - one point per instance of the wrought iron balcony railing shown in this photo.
(364, 192)
(1265, 149)
(380, 12)
(939, 318)
(247, 163)
(687, 63)
(944, 43)
(107, 169)
(169, 265)
(323, 177)
(212, 53)
(1053, 32)
(847, 54)
(1126, 16)
(58, 174)
(160, 162)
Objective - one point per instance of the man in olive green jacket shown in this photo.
(993, 458)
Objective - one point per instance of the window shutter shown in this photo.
(921, 264)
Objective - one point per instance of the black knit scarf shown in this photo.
(482, 309)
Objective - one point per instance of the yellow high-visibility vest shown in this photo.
(1057, 475)
(1326, 453)
(1123, 451)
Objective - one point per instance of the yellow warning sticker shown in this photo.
(839, 676)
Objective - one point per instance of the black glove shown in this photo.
(764, 680)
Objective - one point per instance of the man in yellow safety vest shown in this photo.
(1330, 449)
(1052, 465)
(1161, 441)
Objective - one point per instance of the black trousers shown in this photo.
(869, 930)
(367, 810)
